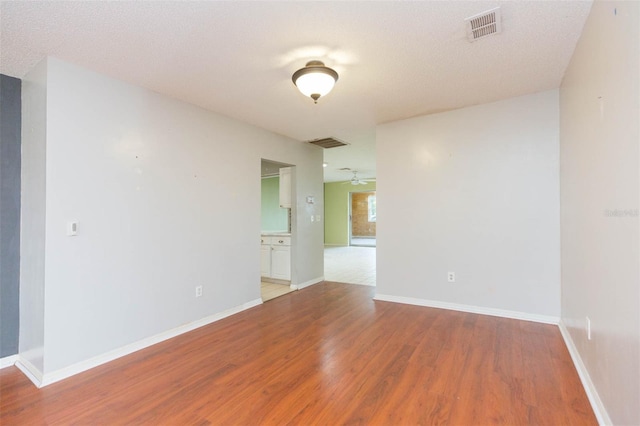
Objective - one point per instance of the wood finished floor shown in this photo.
(325, 355)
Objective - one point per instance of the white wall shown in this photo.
(480, 198)
(167, 197)
(599, 137)
(32, 243)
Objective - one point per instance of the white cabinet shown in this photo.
(265, 257)
(285, 187)
(275, 257)
(280, 260)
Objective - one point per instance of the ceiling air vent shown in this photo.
(484, 24)
(327, 143)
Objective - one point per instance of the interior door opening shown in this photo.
(277, 229)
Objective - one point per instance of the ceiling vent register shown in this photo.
(327, 143)
(484, 24)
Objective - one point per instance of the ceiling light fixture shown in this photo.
(315, 80)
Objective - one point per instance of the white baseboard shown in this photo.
(596, 403)
(366, 285)
(8, 361)
(41, 380)
(30, 371)
(308, 283)
(545, 319)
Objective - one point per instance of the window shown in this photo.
(371, 200)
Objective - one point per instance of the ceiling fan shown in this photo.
(355, 180)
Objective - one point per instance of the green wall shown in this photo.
(336, 210)
(274, 218)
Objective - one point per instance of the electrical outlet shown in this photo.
(451, 277)
(199, 291)
(588, 328)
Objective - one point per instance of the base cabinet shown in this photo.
(275, 258)
(281, 262)
(265, 259)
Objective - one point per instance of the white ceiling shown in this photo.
(395, 59)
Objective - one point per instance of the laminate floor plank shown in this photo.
(326, 355)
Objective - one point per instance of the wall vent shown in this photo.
(484, 24)
(327, 143)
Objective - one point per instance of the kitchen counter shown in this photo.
(276, 233)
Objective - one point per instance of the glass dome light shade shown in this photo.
(315, 79)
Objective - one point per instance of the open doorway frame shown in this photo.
(278, 229)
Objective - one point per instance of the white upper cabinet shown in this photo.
(285, 187)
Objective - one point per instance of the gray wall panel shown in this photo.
(10, 128)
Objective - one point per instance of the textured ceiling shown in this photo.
(395, 59)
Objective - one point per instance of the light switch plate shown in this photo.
(72, 228)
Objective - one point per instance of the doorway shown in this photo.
(344, 262)
(362, 219)
(277, 229)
